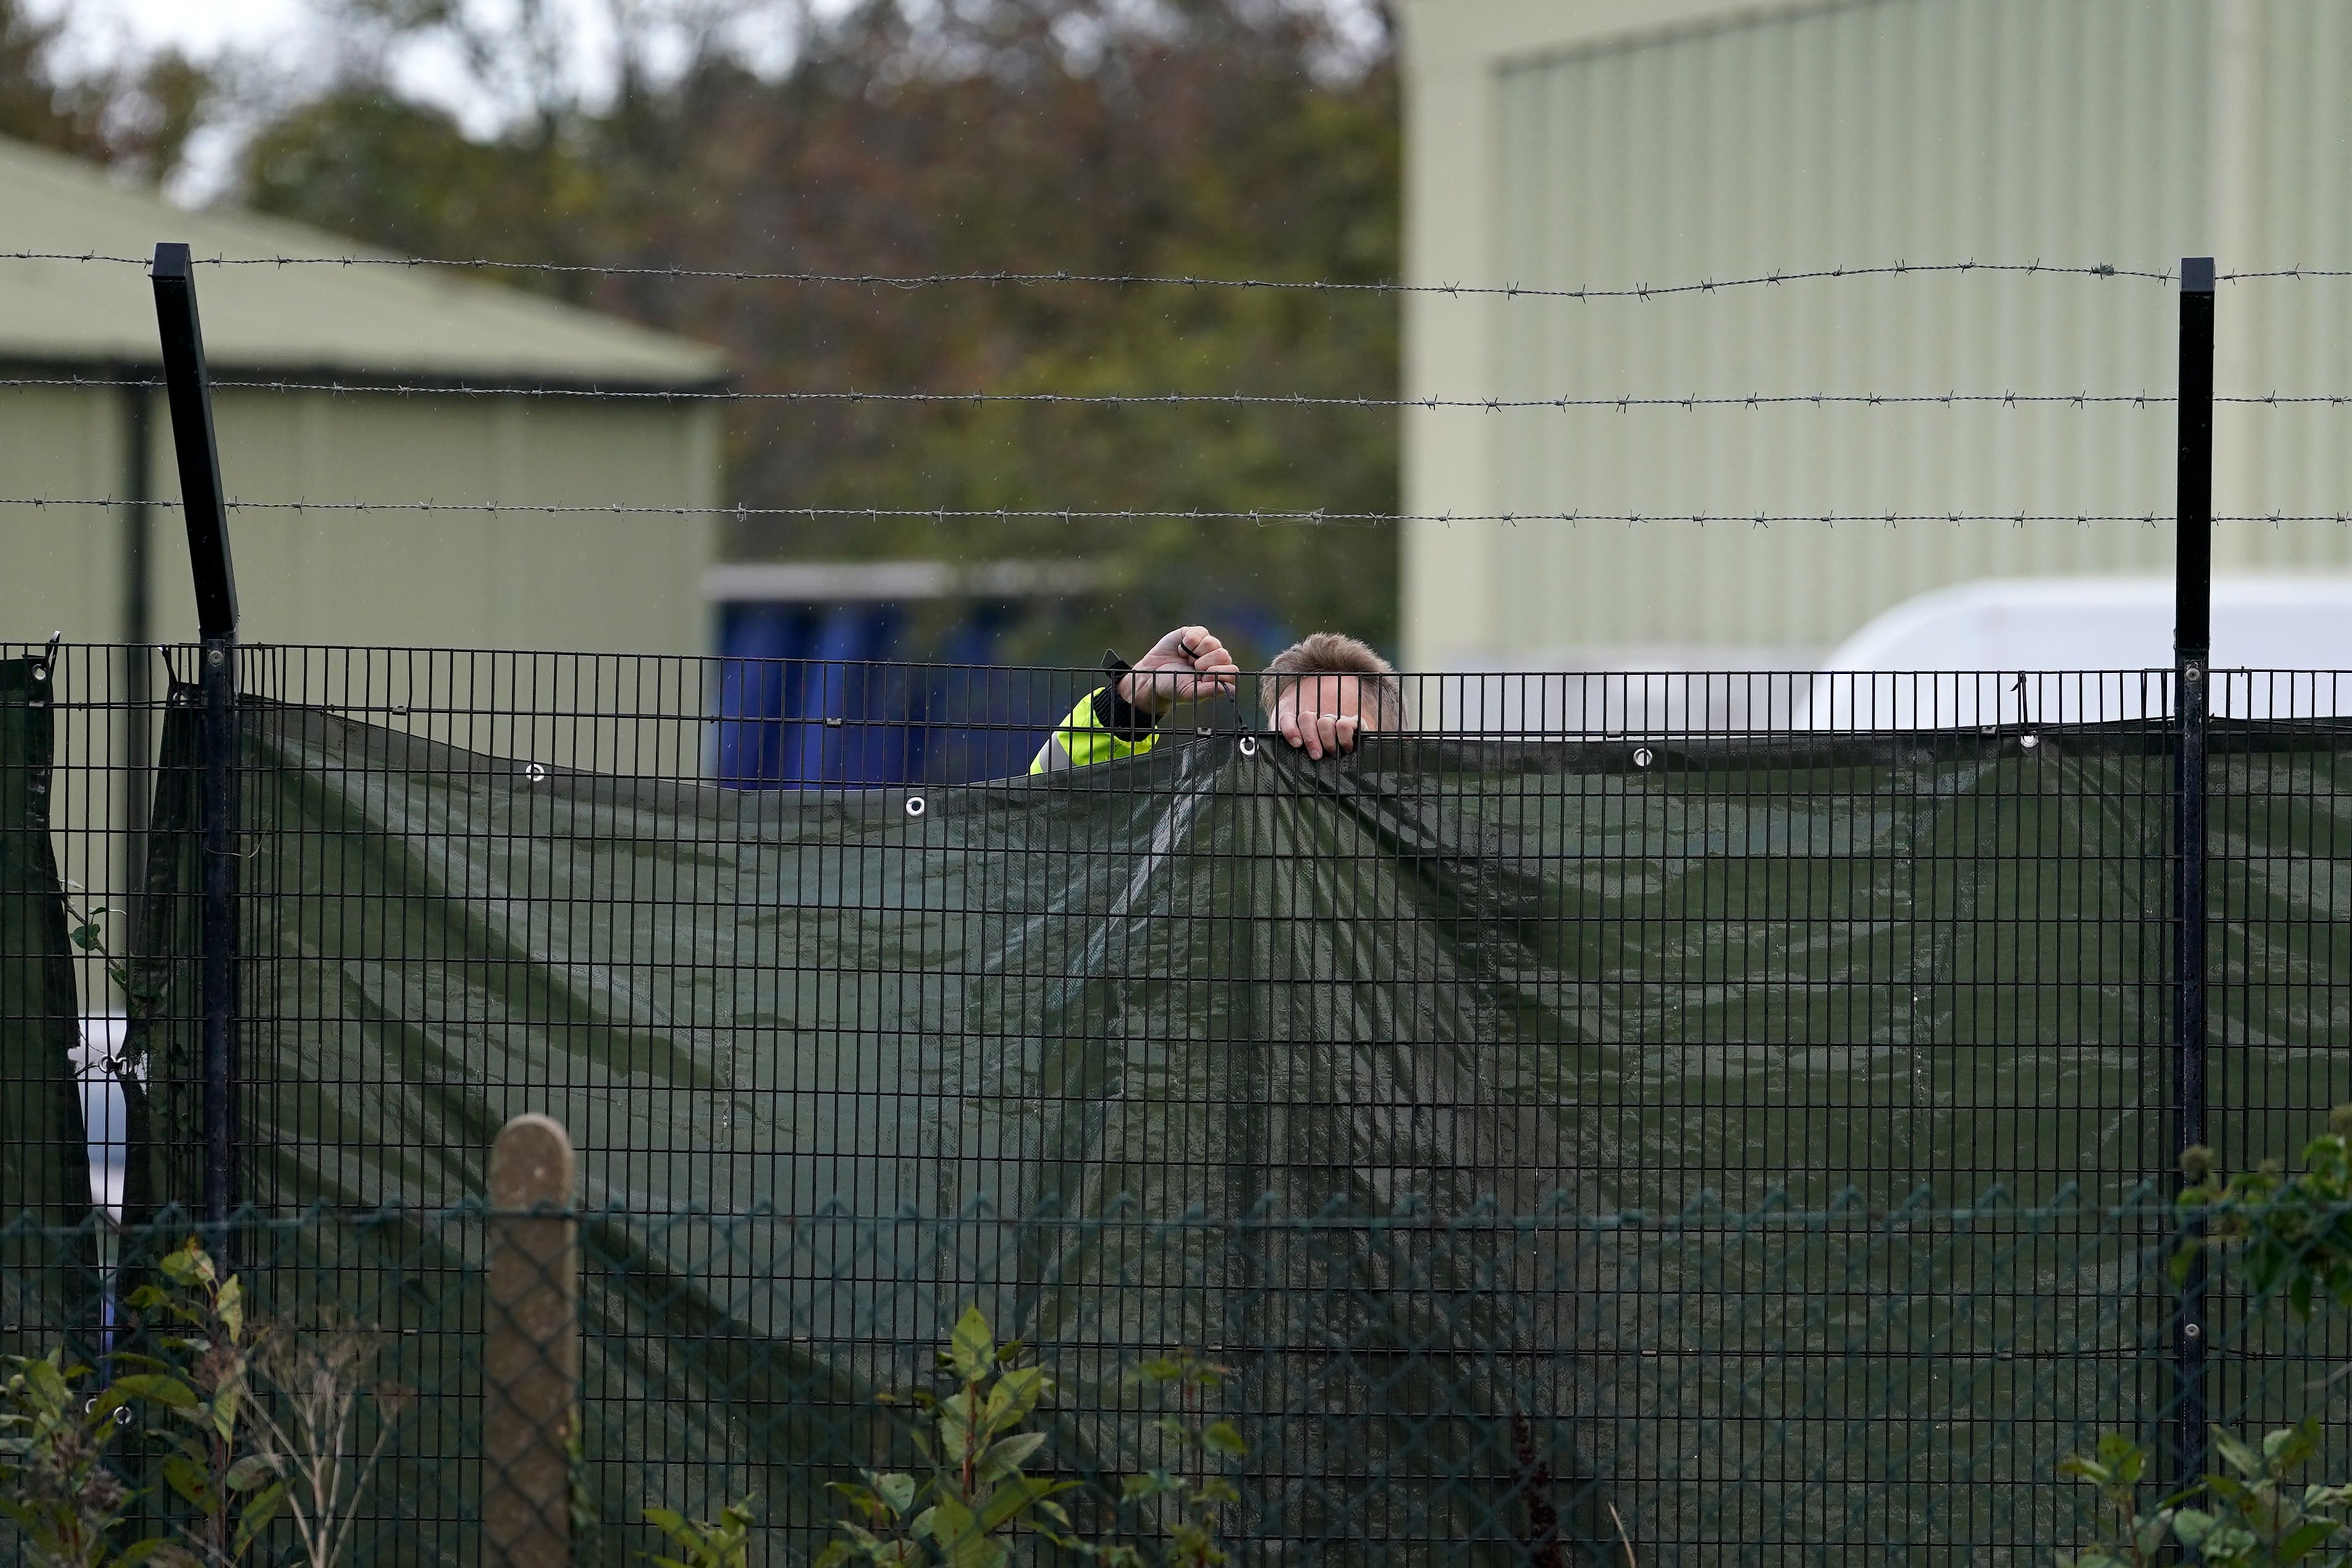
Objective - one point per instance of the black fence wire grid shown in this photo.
(1217, 1049)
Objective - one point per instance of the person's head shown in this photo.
(1322, 691)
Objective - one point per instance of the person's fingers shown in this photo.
(1216, 663)
(1169, 661)
(1289, 726)
(1201, 663)
(1343, 734)
(1168, 653)
(1317, 728)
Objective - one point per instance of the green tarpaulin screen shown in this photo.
(44, 1161)
(1439, 978)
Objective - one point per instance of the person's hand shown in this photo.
(1321, 734)
(1185, 666)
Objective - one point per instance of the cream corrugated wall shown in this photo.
(2297, 332)
(623, 583)
(1866, 133)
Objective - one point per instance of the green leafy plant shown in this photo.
(2256, 1515)
(2260, 1517)
(2291, 1235)
(202, 1382)
(57, 1486)
(976, 1498)
(87, 934)
(703, 1544)
(257, 1422)
(2129, 1539)
(60, 1488)
(1180, 1498)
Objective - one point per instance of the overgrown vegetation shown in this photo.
(248, 1425)
(1181, 1499)
(319, 1381)
(56, 1485)
(974, 1498)
(2253, 1513)
(700, 1543)
(202, 1381)
(2289, 1236)
(242, 1422)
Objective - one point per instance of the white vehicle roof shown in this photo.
(1981, 654)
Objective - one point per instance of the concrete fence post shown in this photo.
(530, 1364)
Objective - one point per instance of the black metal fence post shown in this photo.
(2193, 639)
(188, 391)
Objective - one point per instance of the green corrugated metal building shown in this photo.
(436, 578)
(1601, 143)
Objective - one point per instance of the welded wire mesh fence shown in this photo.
(1542, 1089)
(1846, 1385)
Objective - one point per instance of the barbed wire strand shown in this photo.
(915, 280)
(911, 282)
(1310, 400)
(1259, 515)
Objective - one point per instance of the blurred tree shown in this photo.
(1205, 137)
(136, 114)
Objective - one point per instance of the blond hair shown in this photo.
(1335, 653)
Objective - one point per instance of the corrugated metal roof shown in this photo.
(363, 321)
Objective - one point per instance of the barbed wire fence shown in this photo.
(2052, 977)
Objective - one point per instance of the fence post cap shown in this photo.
(531, 1164)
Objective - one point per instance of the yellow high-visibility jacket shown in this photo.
(1101, 729)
